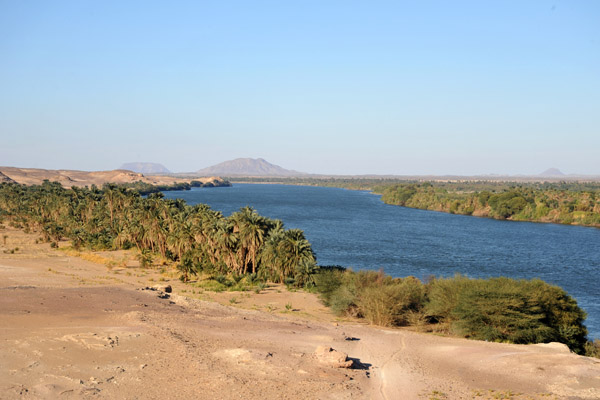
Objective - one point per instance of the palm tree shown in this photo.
(228, 243)
(270, 259)
(180, 238)
(252, 229)
(187, 268)
(285, 254)
(294, 249)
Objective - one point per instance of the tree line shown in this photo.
(145, 188)
(538, 203)
(563, 202)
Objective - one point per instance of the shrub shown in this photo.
(145, 258)
(261, 286)
(343, 301)
(416, 319)
(518, 311)
(222, 279)
(592, 349)
(388, 303)
(187, 267)
(374, 296)
(562, 314)
(327, 280)
(498, 310)
(506, 204)
(211, 285)
(443, 297)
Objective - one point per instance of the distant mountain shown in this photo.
(552, 172)
(247, 167)
(146, 168)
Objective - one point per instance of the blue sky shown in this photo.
(338, 87)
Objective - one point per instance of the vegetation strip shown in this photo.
(576, 203)
(144, 188)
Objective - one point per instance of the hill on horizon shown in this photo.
(146, 168)
(247, 167)
(552, 172)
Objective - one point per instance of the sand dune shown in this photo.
(4, 178)
(69, 178)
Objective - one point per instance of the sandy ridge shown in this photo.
(69, 178)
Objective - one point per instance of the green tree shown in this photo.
(187, 267)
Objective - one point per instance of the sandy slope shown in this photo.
(71, 328)
(69, 178)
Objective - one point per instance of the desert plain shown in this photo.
(96, 325)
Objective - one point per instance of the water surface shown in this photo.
(355, 229)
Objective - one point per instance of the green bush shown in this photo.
(499, 310)
(341, 289)
(562, 313)
(343, 301)
(289, 281)
(145, 258)
(518, 311)
(211, 285)
(506, 204)
(327, 280)
(592, 349)
(388, 303)
(187, 267)
(377, 297)
(222, 279)
(443, 297)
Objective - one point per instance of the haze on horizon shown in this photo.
(331, 87)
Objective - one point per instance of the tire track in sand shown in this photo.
(385, 364)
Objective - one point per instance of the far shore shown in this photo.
(70, 178)
(369, 190)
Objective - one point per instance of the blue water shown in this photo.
(355, 229)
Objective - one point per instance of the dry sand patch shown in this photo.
(73, 328)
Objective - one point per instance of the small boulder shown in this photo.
(554, 347)
(332, 357)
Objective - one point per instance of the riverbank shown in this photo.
(76, 328)
(557, 202)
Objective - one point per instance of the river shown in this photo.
(356, 229)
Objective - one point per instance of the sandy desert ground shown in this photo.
(75, 328)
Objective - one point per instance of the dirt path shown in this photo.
(388, 382)
(71, 328)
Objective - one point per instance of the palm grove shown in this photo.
(197, 239)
